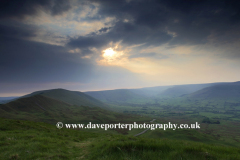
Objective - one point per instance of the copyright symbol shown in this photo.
(59, 125)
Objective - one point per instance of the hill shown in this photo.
(150, 91)
(180, 90)
(6, 99)
(220, 91)
(146, 94)
(45, 109)
(70, 97)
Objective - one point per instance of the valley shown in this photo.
(31, 119)
(215, 106)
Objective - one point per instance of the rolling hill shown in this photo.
(180, 90)
(220, 91)
(70, 97)
(56, 105)
(44, 109)
(146, 95)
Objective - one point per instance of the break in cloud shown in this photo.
(105, 44)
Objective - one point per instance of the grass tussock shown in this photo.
(141, 148)
(35, 140)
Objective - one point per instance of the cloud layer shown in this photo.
(62, 42)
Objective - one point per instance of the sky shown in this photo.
(87, 45)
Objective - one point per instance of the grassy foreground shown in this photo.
(35, 140)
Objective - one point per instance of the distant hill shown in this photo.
(70, 97)
(6, 99)
(181, 90)
(118, 95)
(223, 91)
(150, 91)
(148, 94)
(41, 108)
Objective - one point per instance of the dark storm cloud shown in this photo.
(137, 34)
(150, 21)
(128, 33)
(21, 8)
(234, 6)
(86, 42)
(17, 31)
(153, 22)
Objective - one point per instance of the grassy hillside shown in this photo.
(44, 109)
(31, 140)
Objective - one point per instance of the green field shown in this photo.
(35, 140)
(222, 125)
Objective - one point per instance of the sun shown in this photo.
(111, 55)
(109, 52)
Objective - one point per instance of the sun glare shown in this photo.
(111, 56)
(109, 52)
